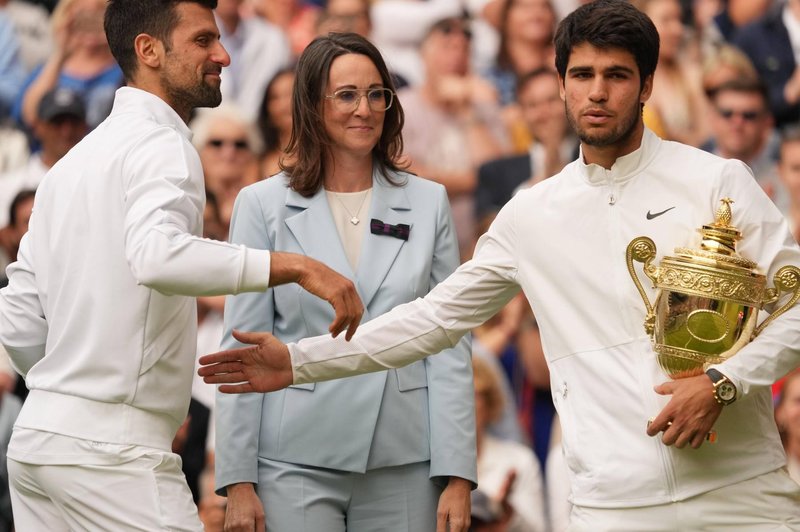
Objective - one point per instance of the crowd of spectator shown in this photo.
(483, 117)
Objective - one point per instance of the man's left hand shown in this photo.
(454, 506)
(689, 415)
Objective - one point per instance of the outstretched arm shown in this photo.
(474, 293)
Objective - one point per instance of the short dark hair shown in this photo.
(742, 84)
(22, 196)
(309, 141)
(532, 75)
(125, 19)
(609, 24)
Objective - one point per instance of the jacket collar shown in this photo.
(143, 103)
(315, 231)
(625, 167)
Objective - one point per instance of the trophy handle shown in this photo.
(643, 249)
(787, 279)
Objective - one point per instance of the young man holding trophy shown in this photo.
(634, 437)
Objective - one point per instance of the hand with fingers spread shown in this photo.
(690, 413)
(323, 282)
(264, 366)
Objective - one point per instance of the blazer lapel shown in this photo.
(315, 231)
(390, 205)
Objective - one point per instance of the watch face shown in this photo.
(726, 391)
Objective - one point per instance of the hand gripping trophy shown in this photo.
(708, 299)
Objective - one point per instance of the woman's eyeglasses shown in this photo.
(348, 100)
(238, 144)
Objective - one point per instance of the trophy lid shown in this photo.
(718, 245)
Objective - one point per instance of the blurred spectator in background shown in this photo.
(787, 416)
(275, 120)
(526, 43)
(297, 19)
(736, 14)
(32, 28)
(504, 466)
(258, 51)
(343, 16)
(726, 63)
(677, 109)
(742, 128)
(452, 121)
(60, 125)
(554, 144)
(11, 70)
(705, 35)
(211, 507)
(19, 214)
(230, 147)
(399, 27)
(789, 171)
(81, 60)
(773, 44)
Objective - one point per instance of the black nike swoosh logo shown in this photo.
(650, 216)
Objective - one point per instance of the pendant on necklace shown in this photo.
(354, 220)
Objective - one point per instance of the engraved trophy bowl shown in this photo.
(708, 298)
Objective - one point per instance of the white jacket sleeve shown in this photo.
(23, 328)
(409, 332)
(767, 240)
(164, 200)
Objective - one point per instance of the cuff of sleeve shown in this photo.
(740, 391)
(255, 275)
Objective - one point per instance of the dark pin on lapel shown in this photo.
(400, 231)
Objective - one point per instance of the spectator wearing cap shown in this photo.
(61, 125)
(452, 122)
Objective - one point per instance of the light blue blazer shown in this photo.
(423, 412)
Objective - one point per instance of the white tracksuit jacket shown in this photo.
(563, 243)
(97, 314)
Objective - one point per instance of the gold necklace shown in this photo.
(354, 219)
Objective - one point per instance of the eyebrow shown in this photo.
(351, 86)
(591, 70)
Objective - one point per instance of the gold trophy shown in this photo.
(708, 299)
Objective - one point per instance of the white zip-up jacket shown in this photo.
(97, 314)
(563, 243)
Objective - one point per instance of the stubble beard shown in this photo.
(617, 135)
(188, 97)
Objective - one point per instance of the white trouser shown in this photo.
(770, 502)
(309, 499)
(148, 493)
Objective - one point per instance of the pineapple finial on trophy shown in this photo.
(720, 236)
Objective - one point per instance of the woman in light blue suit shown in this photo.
(389, 451)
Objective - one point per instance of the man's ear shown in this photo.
(562, 89)
(149, 50)
(647, 89)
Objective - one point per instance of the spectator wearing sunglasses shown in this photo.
(743, 128)
(230, 147)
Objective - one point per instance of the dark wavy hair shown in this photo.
(309, 142)
(125, 19)
(609, 24)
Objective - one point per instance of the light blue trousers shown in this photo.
(309, 499)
